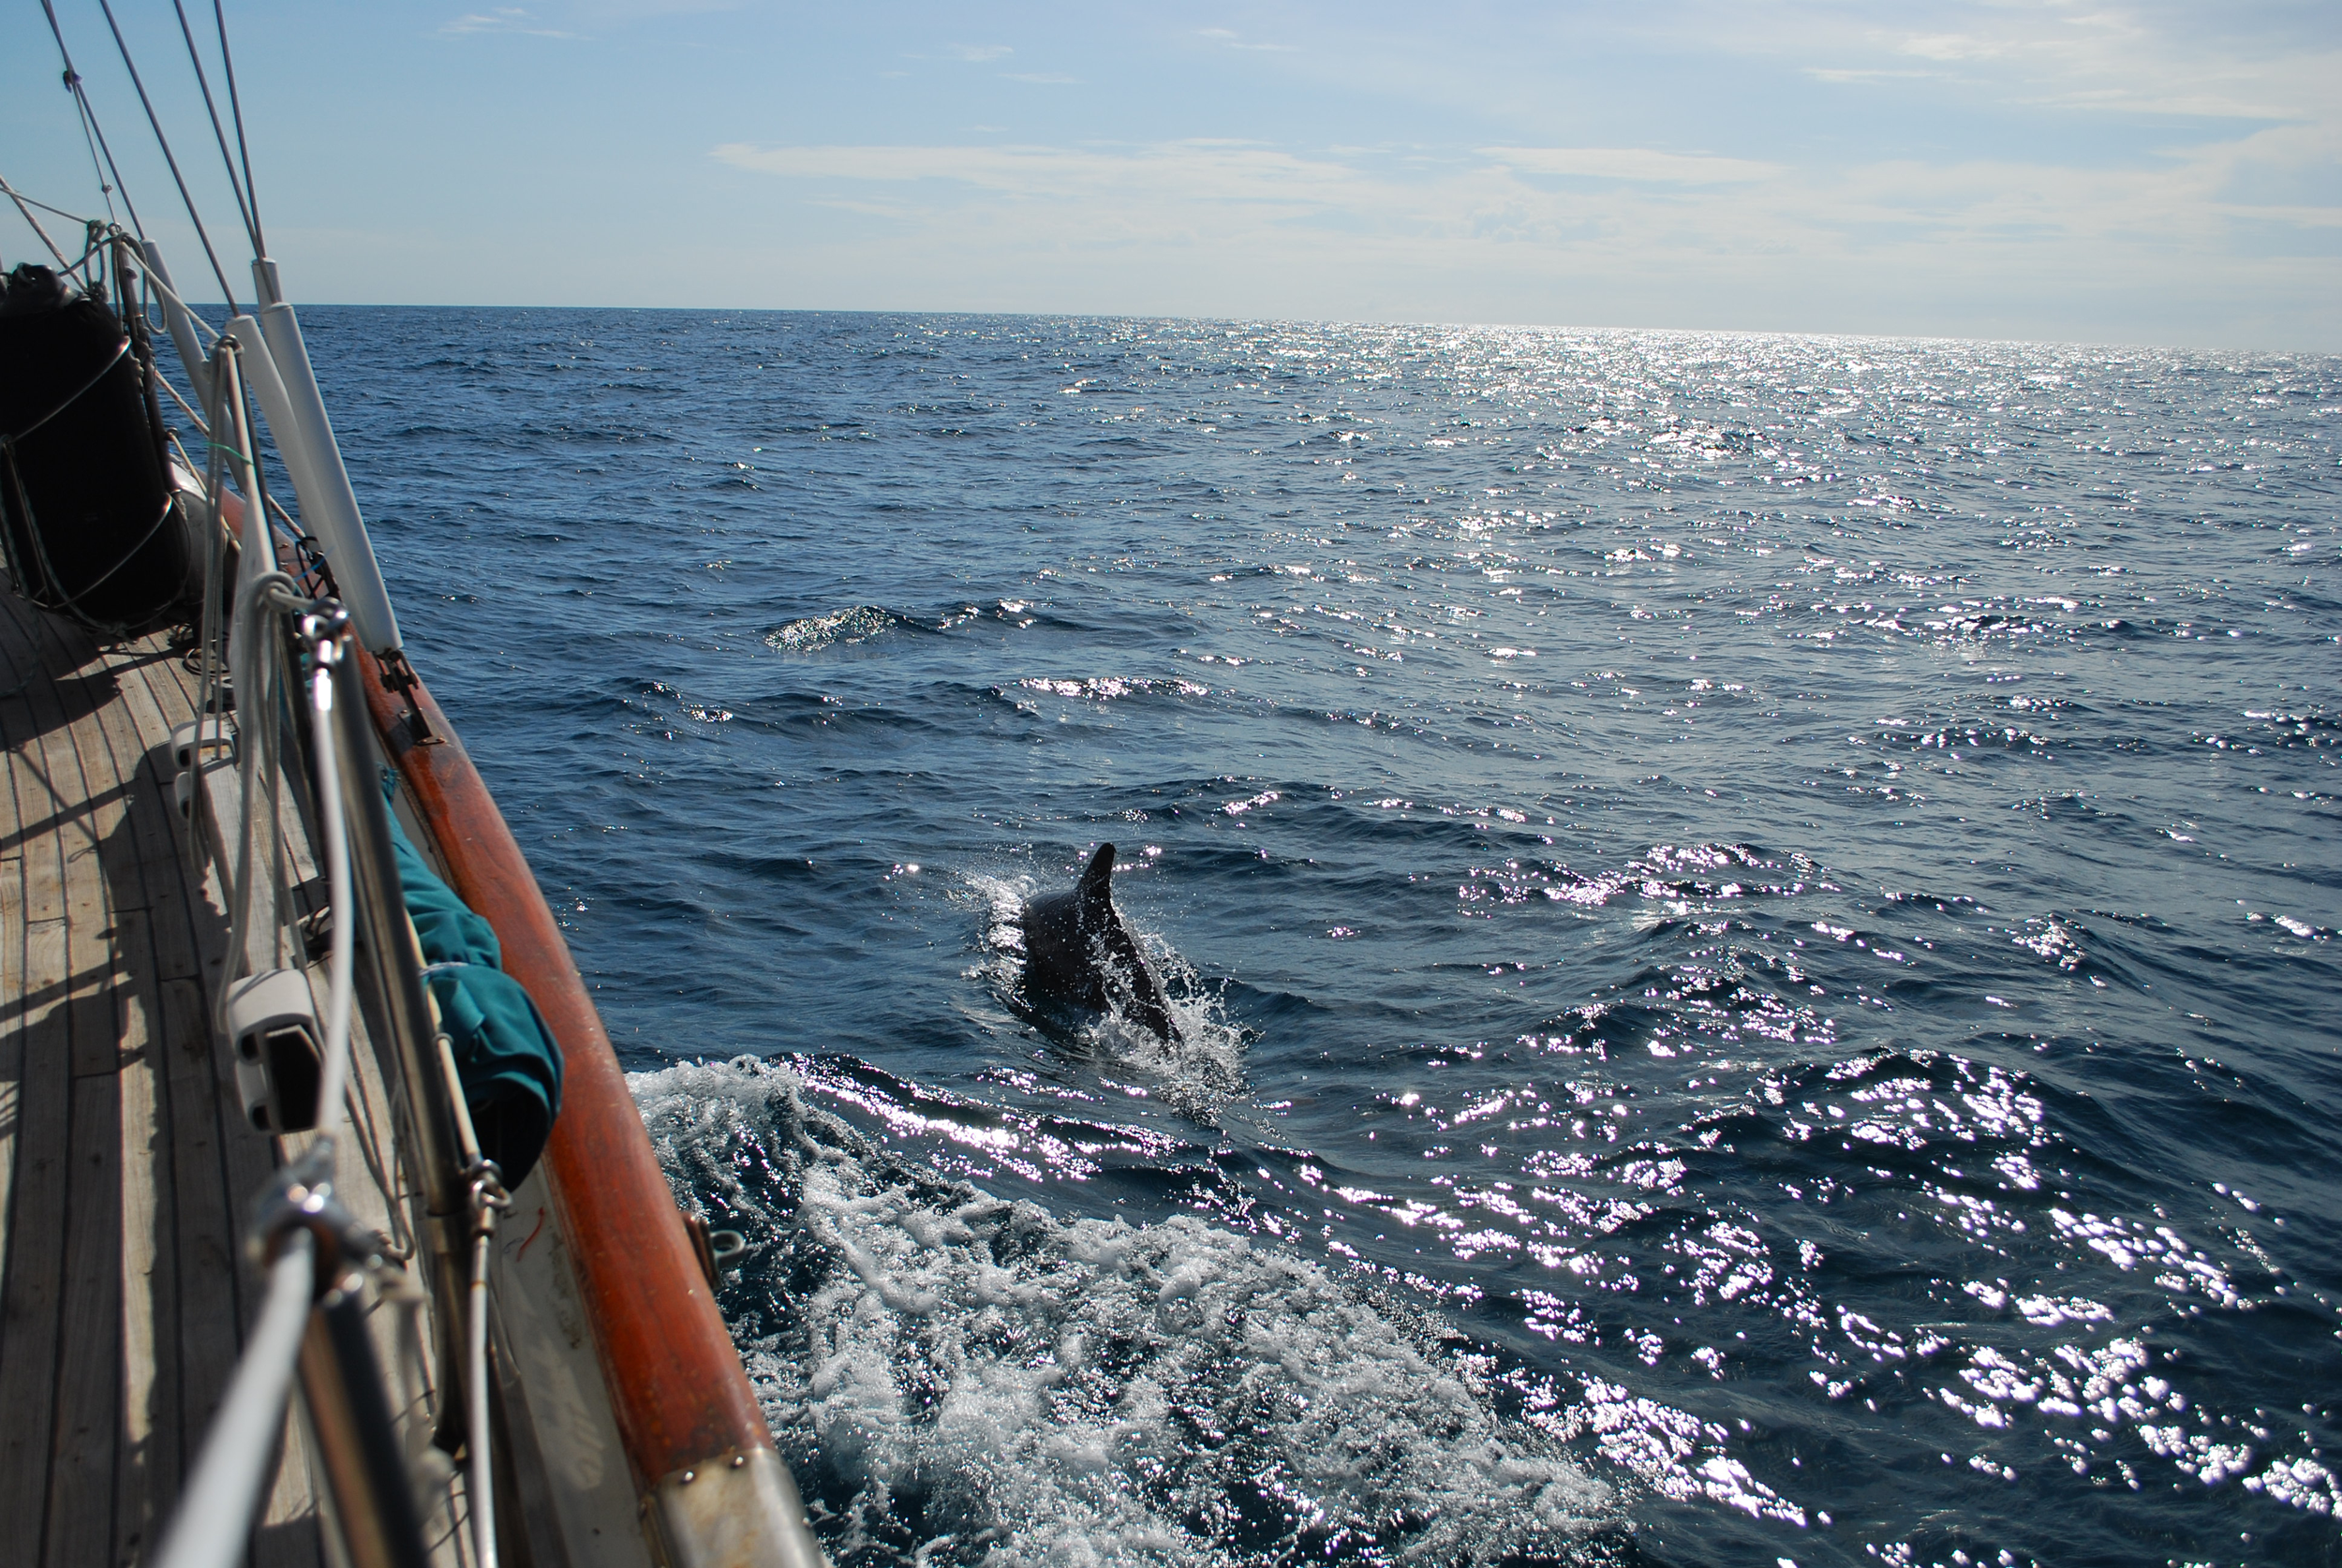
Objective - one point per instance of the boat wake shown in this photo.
(957, 1379)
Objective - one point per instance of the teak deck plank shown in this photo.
(105, 1366)
(44, 778)
(149, 1436)
(12, 935)
(91, 901)
(201, 1246)
(196, 1200)
(89, 1353)
(127, 1161)
(143, 855)
(162, 850)
(207, 1181)
(13, 939)
(124, 1158)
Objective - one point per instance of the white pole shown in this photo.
(328, 505)
(268, 390)
(182, 326)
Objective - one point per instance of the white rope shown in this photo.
(215, 1517)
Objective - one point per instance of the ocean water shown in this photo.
(1754, 918)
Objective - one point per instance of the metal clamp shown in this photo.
(320, 625)
(488, 1196)
(301, 1198)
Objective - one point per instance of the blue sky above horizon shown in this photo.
(2153, 173)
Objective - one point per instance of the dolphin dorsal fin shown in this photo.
(1096, 888)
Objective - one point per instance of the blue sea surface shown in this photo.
(1753, 917)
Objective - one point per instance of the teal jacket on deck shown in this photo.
(505, 1054)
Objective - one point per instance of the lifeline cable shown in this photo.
(213, 1524)
(215, 553)
(488, 1200)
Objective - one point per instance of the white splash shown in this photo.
(958, 1378)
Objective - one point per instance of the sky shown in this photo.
(2109, 172)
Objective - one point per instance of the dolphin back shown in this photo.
(1072, 937)
(1058, 959)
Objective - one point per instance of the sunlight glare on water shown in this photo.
(1753, 917)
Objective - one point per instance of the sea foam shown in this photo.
(956, 1378)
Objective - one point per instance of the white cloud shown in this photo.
(1827, 73)
(1950, 46)
(1714, 205)
(1201, 171)
(1232, 227)
(979, 54)
(2108, 57)
(505, 19)
(1227, 39)
(1044, 78)
(1633, 163)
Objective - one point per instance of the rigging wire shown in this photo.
(244, 204)
(72, 84)
(89, 118)
(235, 111)
(26, 213)
(163, 141)
(201, 428)
(33, 200)
(90, 127)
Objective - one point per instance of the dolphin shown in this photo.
(1074, 940)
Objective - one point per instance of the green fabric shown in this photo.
(505, 1054)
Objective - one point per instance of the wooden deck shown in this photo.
(126, 1160)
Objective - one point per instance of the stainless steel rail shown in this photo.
(316, 1258)
(223, 1490)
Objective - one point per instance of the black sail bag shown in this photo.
(92, 525)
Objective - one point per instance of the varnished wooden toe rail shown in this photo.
(713, 1487)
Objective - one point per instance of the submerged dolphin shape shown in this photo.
(1074, 939)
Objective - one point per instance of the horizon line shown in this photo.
(1331, 322)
